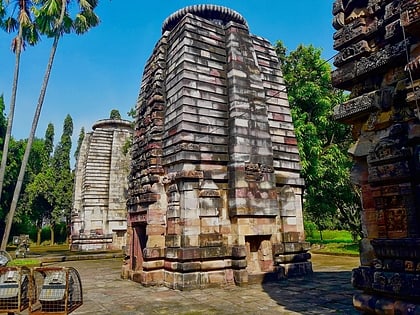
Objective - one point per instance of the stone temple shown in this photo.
(379, 63)
(215, 193)
(99, 216)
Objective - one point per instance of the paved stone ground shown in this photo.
(328, 291)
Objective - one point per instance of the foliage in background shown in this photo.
(18, 16)
(38, 206)
(16, 150)
(52, 19)
(79, 143)
(2, 12)
(3, 121)
(330, 197)
(115, 114)
(333, 242)
(64, 182)
(50, 193)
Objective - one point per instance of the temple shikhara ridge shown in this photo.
(378, 61)
(215, 193)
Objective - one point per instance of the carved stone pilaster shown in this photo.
(384, 112)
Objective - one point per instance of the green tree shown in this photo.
(39, 194)
(49, 144)
(52, 19)
(2, 13)
(41, 198)
(17, 149)
(322, 142)
(79, 143)
(50, 193)
(3, 122)
(132, 113)
(63, 189)
(115, 114)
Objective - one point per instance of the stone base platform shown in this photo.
(216, 278)
(281, 273)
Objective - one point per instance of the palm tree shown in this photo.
(2, 12)
(53, 20)
(27, 33)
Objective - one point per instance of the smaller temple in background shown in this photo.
(99, 216)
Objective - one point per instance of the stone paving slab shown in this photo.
(328, 291)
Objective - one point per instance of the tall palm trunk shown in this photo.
(10, 123)
(25, 159)
(11, 110)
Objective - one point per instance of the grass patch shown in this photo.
(61, 249)
(330, 236)
(350, 249)
(333, 242)
(27, 262)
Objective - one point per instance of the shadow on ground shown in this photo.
(328, 291)
(322, 293)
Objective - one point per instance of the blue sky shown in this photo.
(101, 70)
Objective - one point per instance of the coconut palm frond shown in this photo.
(31, 35)
(10, 25)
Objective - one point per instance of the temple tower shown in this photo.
(99, 216)
(379, 63)
(215, 191)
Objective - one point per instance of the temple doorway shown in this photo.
(137, 246)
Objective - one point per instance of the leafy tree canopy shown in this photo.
(115, 114)
(3, 121)
(79, 142)
(322, 142)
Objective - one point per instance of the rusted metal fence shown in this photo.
(41, 290)
(14, 289)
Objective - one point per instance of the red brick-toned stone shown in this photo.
(216, 136)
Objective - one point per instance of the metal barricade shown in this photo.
(14, 289)
(55, 290)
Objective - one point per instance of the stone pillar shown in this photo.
(224, 151)
(378, 62)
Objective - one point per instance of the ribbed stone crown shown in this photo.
(217, 13)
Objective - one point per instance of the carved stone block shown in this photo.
(357, 107)
(354, 31)
(352, 52)
(410, 17)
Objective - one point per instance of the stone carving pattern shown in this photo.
(388, 172)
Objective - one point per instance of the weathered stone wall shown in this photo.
(214, 190)
(378, 62)
(99, 209)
